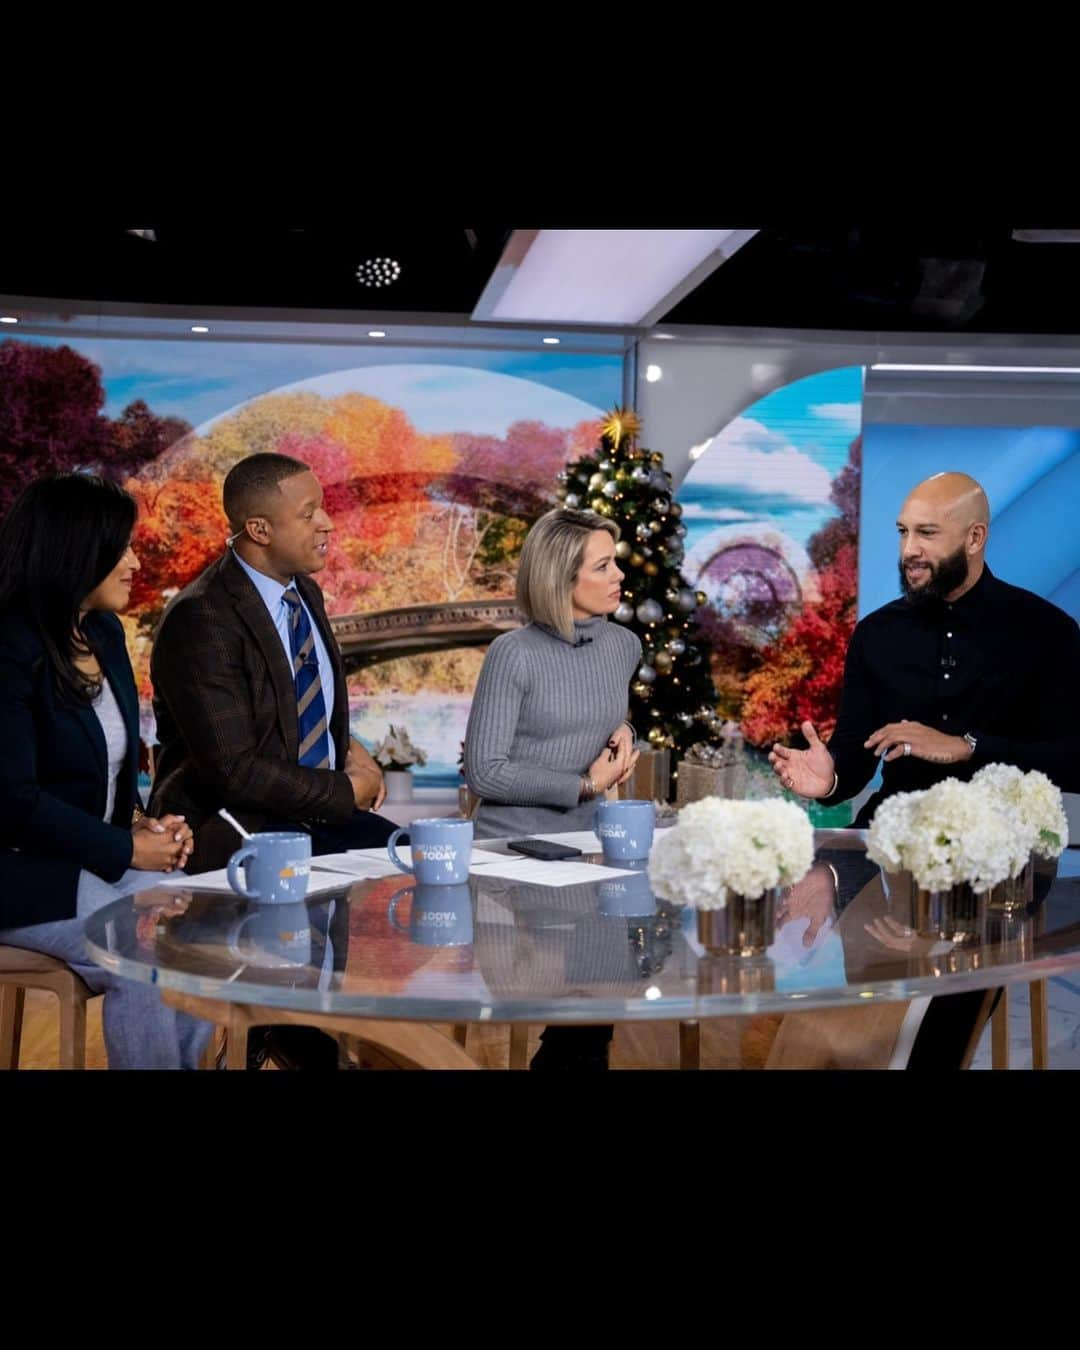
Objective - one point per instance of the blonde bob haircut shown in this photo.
(550, 560)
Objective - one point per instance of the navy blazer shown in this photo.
(54, 776)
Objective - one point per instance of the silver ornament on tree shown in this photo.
(649, 612)
(646, 674)
(610, 488)
(687, 600)
(573, 500)
(624, 613)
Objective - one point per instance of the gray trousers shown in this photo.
(140, 1031)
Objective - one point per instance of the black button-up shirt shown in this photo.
(1000, 663)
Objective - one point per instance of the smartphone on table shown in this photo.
(544, 849)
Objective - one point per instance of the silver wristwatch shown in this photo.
(970, 740)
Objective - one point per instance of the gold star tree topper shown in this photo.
(620, 422)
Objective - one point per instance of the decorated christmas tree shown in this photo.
(672, 699)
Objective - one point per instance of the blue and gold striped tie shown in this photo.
(310, 707)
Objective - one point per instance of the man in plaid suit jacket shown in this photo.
(224, 693)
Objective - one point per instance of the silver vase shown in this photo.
(1014, 894)
(949, 915)
(744, 927)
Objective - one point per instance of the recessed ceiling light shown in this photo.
(551, 342)
(378, 272)
(199, 328)
(8, 318)
(376, 332)
(653, 373)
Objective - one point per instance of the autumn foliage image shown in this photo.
(798, 675)
(418, 518)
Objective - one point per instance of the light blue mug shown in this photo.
(441, 851)
(276, 866)
(625, 829)
(442, 916)
(627, 897)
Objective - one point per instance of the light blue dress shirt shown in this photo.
(272, 592)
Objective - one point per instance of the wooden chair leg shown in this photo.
(461, 1033)
(72, 1029)
(999, 1032)
(236, 1040)
(689, 1045)
(1040, 1028)
(519, 1045)
(12, 998)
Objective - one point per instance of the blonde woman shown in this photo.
(547, 732)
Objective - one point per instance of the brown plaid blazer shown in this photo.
(225, 705)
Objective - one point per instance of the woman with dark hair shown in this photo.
(72, 837)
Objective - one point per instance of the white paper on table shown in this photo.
(378, 864)
(585, 840)
(219, 881)
(356, 866)
(537, 872)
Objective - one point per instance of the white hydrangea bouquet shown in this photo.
(397, 751)
(980, 833)
(1035, 802)
(720, 846)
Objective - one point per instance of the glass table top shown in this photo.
(599, 951)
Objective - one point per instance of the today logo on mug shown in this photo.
(625, 829)
(276, 867)
(441, 851)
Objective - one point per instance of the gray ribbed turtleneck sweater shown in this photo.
(543, 710)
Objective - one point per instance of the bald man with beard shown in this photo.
(963, 670)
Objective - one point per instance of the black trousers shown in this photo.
(946, 1030)
(570, 1047)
